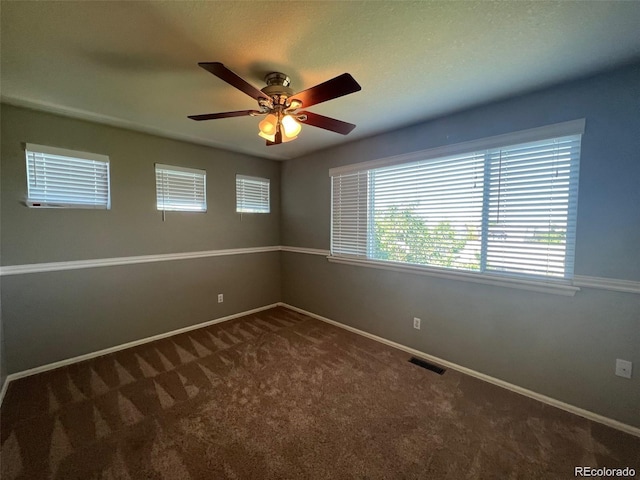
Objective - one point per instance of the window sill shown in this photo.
(555, 287)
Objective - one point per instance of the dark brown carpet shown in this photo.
(280, 395)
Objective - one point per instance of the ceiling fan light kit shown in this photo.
(291, 126)
(287, 125)
(279, 104)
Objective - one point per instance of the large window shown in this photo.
(60, 178)
(505, 208)
(252, 194)
(180, 189)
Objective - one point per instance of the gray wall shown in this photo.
(53, 316)
(133, 226)
(3, 362)
(563, 347)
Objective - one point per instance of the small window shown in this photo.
(60, 178)
(252, 194)
(180, 189)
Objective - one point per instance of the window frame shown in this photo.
(178, 170)
(261, 180)
(548, 284)
(80, 157)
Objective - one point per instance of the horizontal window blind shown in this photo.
(252, 194)
(60, 178)
(428, 213)
(180, 189)
(532, 208)
(349, 223)
(504, 210)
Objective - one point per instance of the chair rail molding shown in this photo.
(585, 281)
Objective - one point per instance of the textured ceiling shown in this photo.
(134, 64)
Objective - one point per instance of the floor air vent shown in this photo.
(427, 365)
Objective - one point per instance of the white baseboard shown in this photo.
(3, 390)
(481, 376)
(106, 351)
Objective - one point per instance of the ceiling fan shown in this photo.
(278, 102)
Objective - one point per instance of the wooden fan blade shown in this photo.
(223, 73)
(336, 87)
(327, 123)
(213, 116)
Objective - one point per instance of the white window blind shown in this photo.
(252, 194)
(61, 178)
(428, 213)
(180, 189)
(508, 210)
(532, 204)
(349, 214)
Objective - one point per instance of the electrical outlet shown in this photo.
(623, 368)
(416, 323)
(220, 298)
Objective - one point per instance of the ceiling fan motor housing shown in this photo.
(277, 84)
